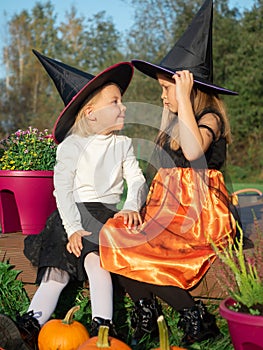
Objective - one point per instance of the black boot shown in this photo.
(198, 324)
(97, 322)
(144, 318)
(21, 334)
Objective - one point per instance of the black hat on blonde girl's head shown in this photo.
(193, 52)
(74, 87)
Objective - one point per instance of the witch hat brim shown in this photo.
(152, 70)
(193, 52)
(119, 74)
(74, 87)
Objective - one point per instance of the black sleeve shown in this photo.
(208, 128)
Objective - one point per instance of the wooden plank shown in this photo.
(11, 249)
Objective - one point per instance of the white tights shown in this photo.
(100, 286)
(46, 297)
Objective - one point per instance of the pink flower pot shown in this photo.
(26, 200)
(246, 330)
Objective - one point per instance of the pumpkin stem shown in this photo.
(103, 337)
(69, 316)
(163, 333)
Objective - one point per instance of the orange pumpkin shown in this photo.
(163, 335)
(64, 334)
(104, 341)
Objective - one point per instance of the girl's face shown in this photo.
(168, 94)
(107, 113)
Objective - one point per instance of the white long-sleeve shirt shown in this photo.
(93, 169)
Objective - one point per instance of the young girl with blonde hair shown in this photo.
(92, 162)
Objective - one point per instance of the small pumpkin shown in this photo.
(65, 334)
(163, 336)
(103, 341)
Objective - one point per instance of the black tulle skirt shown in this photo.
(48, 248)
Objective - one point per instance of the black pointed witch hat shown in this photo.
(193, 52)
(74, 87)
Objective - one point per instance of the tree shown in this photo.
(247, 109)
(103, 42)
(151, 36)
(20, 103)
(30, 97)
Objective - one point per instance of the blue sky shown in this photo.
(120, 12)
(117, 9)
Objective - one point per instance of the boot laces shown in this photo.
(144, 317)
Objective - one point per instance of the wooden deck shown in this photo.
(12, 245)
(11, 248)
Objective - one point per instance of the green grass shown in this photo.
(241, 186)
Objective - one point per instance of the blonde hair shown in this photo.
(81, 125)
(201, 101)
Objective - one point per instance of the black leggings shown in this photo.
(176, 297)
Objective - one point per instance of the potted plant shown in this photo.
(27, 159)
(241, 274)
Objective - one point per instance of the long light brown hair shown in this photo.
(201, 101)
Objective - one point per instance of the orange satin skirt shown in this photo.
(185, 209)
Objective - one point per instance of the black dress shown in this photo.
(48, 249)
(187, 207)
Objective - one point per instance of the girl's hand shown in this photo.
(130, 218)
(75, 242)
(184, 82)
